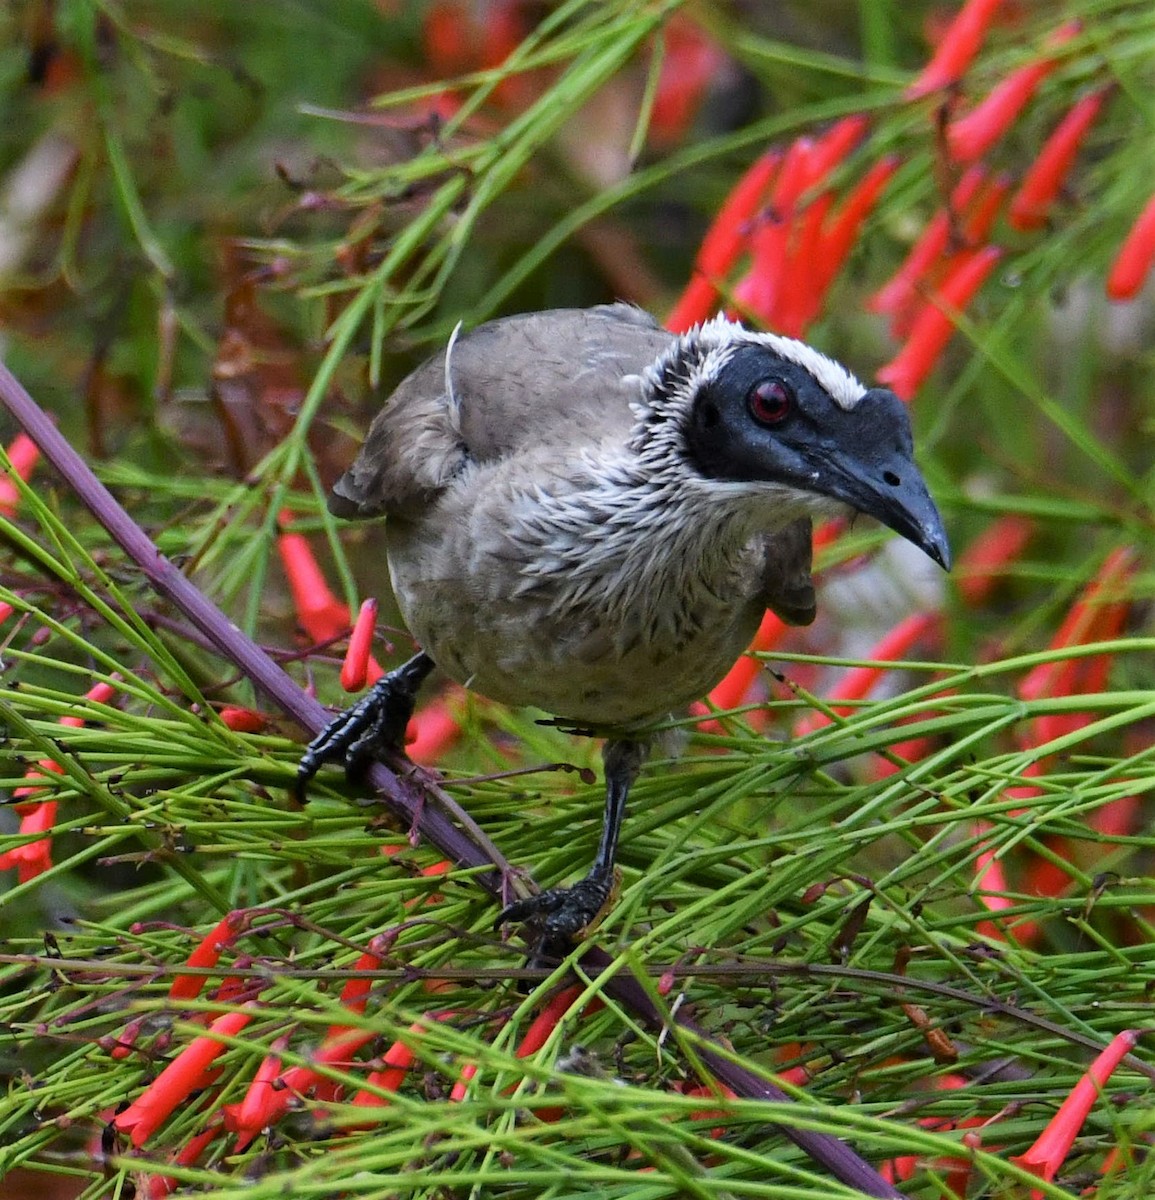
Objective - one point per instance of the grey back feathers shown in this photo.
(550, 379)
(565, 379)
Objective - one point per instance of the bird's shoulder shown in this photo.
(536, 381)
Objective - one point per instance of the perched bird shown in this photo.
(590, 515)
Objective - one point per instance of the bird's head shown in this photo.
(732, 407)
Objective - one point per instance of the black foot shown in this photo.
(564, 915)
(371, 728)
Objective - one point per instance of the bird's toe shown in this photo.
(566, 914)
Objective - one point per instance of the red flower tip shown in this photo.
(692, 59)
(839, 236)
(835, 144)
(899, 297)
(697, 303)
(730, 230)
(984, 560)
(355, 669)
(321, 614)
(461, 1088)
(796, 176)
(1047, 174)
(1133, 262)
(244, 720)
(548, 1019)
(972, 135)
(23, 454)
(208, 952)
(181, 1077)
(434, 728)
(957, 49)
(933, 327)
(261, 1103)
(1051, 1147)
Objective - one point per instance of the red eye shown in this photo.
(770, 401)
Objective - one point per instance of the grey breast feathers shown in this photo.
(523, 382)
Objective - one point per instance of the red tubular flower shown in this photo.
(799, 172)
(548, 1019)
(1133, 263)
(337, 1049)
(900, 293)
(435, 728)
(727, 236)
(859, 681)
(249, 1115)
(100, 693)
(244, 720)
(447, 38)
(972, 135)
(322, 616)
(160, 1186)
(208, 953)
(179, 1078)
(798, 304)
(35, 857)
(841, 232)
(724, 242)
(990, 885)
(38, 817)
(397, 1060)
(983, 562)
(6, 610)
(1095, 608)
(1052, 1146)
(692, 59)
(23, 454)
(984, 210)
(460, 1089)
(697, 303)
(760, 291)
(355, 669)
(1047, 174)
(355, 992)
(835, 144)
(957, 48)
(933, 327)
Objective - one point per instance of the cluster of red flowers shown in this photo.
(276, 1088)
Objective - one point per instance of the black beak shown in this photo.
(876, 475)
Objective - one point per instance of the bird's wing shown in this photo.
(786, 585)
(535, 380)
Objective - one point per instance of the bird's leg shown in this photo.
(375, 725)
(565, 913)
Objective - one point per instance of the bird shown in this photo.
(588, 514)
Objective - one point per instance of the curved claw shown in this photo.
(568, 913)
(373, 726)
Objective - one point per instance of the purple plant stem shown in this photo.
(405, 795)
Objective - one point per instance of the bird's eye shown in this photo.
(770, 402)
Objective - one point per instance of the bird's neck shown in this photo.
(652, 557)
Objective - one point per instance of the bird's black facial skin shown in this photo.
(768, 419)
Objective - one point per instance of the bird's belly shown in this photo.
(523, 650)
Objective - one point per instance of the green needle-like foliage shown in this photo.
(918, 913)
